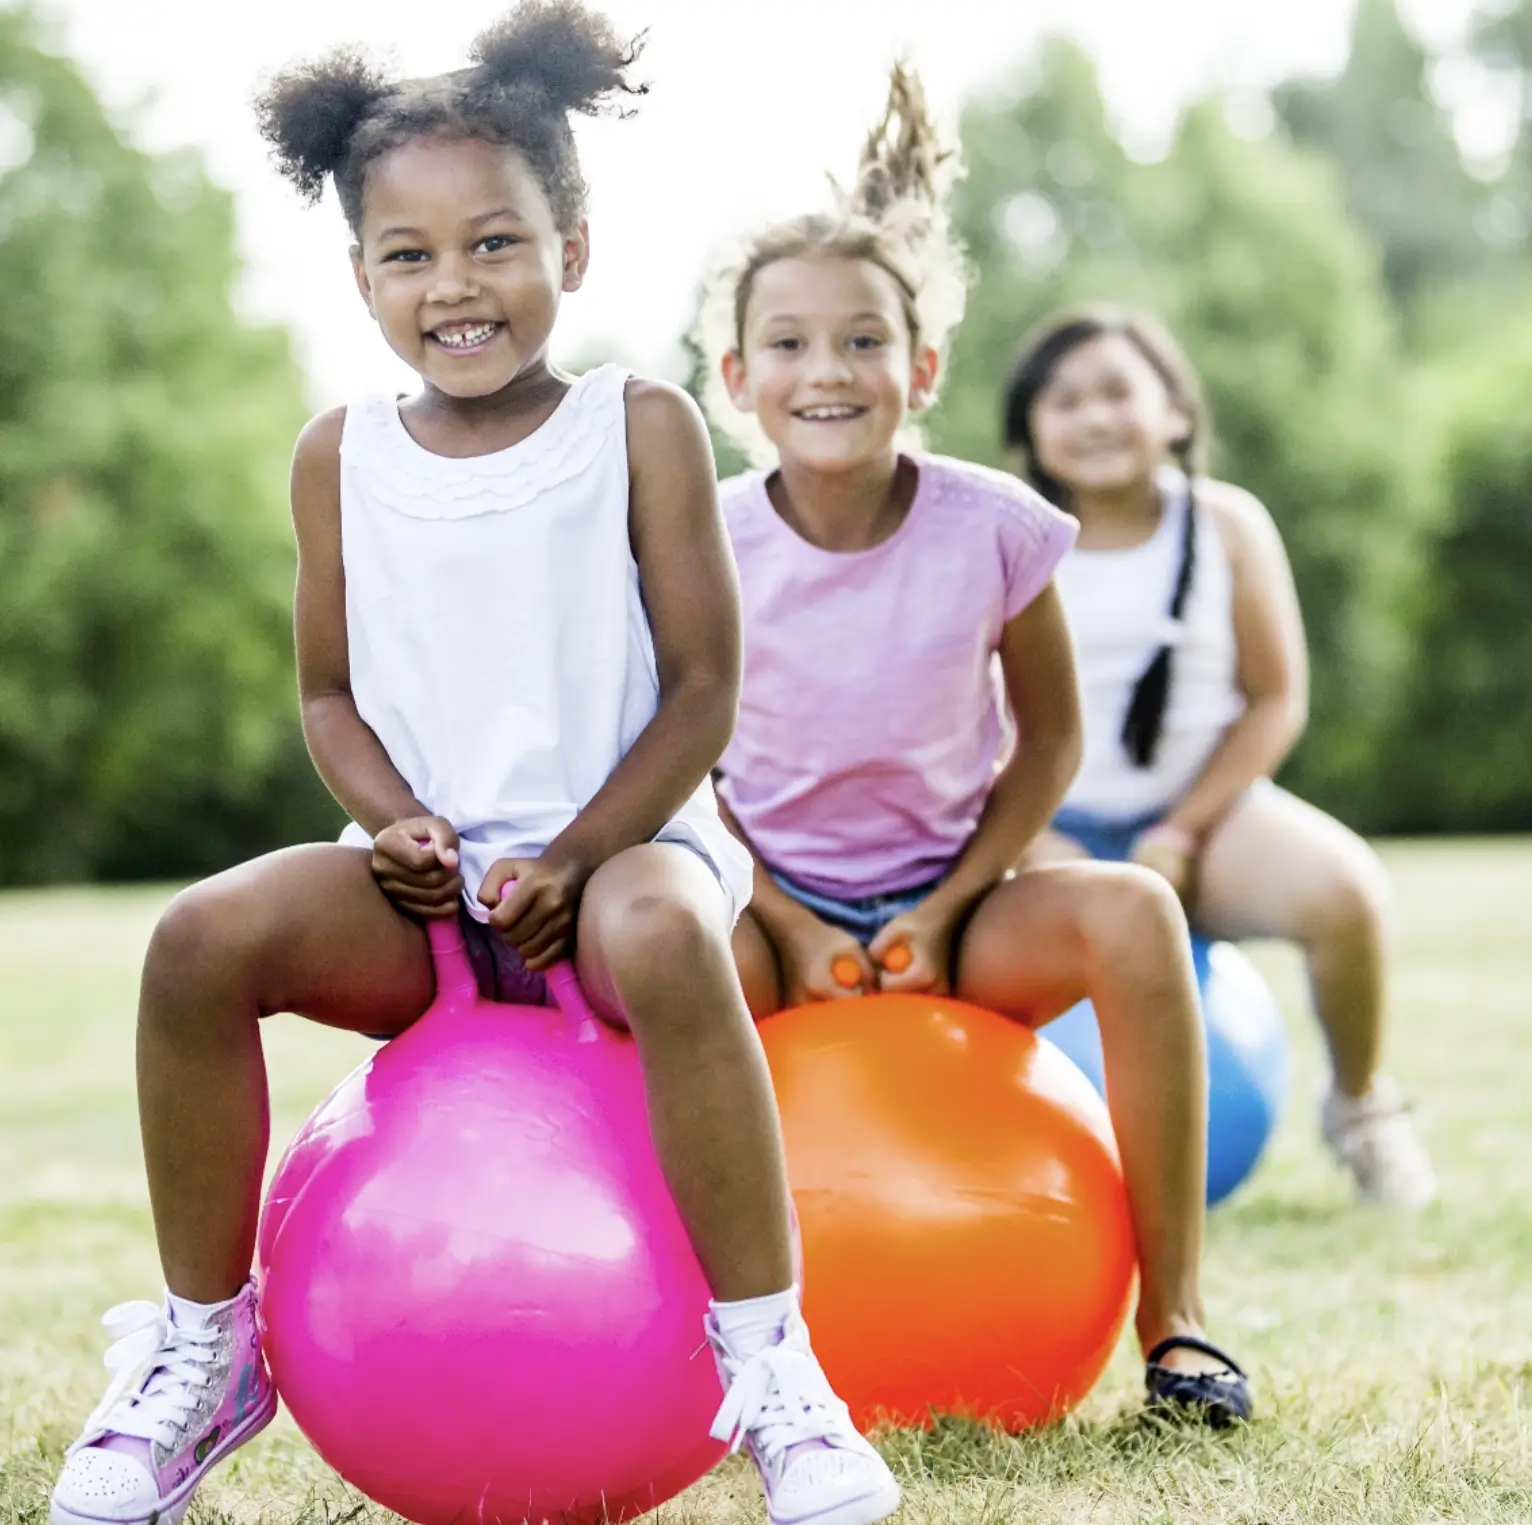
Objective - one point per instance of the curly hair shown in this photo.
(894, 216)
(336, 116)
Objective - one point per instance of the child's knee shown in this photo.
(1349, 903)
(654, 939)
(203, 940)
(1131, 913)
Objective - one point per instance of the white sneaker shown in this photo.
(180, 1401)
(816, 1469)
(1373, 1138)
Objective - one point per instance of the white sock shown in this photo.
(755, 1324)
(185, 1314)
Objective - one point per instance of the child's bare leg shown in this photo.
(755, 959)
(303, 930)
(1053, 935)
(654, 954)
(1277, 867)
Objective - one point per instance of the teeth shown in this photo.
(466, 338)
(827, 413)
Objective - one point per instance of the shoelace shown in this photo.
(174, 1360)
(781, 1397)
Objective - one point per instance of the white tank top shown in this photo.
(499, 647)
(1117, 603)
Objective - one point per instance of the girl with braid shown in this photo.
(518, 653)
(884, 587)
(1193, 675)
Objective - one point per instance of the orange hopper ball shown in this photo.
(966, 1241)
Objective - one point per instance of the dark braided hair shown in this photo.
(337, 115)
(1040, 355)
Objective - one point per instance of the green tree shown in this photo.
(1246, 250)
(1404, 175)
(147, 715)
(1458, 759)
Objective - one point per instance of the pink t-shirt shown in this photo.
(870, 722)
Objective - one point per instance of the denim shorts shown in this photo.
(1103, 837)
(864, 916)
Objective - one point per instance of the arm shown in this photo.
(691, 595)
(349, 757)
(1037, 660)
(1272, 666)
(1038, 663)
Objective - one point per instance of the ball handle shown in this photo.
(455, 978)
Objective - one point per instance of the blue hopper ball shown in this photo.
(1247, 1059)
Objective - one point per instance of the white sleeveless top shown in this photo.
(498, 643)
(1117, 603)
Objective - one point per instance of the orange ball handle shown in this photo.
(898, 959)
(846, 973)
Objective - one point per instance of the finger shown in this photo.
(497, 886)
(525, 910)
(541, 963)
(443, 841)
(852, 972)
(408, 849)
(888, 937)
(445, 894)
(429, 912)
(426, 909)
(547, 942)
(917, 978)
(432, 881)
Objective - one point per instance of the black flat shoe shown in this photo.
(1217, 1398)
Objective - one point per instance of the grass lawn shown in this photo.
(1393, 1359)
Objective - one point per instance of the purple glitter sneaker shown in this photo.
(181, 1399)
(816, 1469)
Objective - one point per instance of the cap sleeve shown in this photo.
(1034, 537)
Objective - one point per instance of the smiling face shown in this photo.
(1105, 419)
(827, 363)
(461, 262)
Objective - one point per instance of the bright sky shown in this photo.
(752, 101)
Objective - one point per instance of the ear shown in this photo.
(737, 381)
(925, 367)
(363, 285)
(576, 256)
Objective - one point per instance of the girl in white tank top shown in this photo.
(1193, 676)
(518, 639)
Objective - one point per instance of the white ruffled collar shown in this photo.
(401, 474)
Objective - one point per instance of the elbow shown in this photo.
(1293, 714)
(713, 702)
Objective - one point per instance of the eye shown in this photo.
(405, 257)
(496, 242)
(867, 341)
(788, 344)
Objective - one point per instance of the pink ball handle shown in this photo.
(455, 976)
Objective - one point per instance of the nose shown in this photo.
(1098, 413)
(455, 281)
(828, 365)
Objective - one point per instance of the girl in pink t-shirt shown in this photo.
(889, 597)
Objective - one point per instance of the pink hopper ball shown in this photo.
(480, 1302)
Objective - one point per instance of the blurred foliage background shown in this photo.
(1356, 295)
